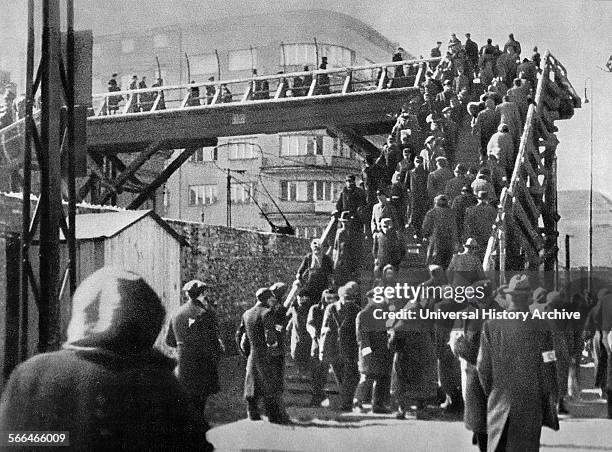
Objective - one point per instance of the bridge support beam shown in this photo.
(358, 143)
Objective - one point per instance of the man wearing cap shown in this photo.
(256, 338)
(419, 200)
(194, 332)
(485, 126)
(460, 205)
(507, 113)
(315, 272)
(440, 227)
(443, 98)
(483, 183)
(461, 81)
(404, 167)
(437, 180)
(479, 221)
(323, 79)
(382, 209)
(347, 250)
(352, 199)
(210, 90)
(516, 367)
(338, 344)
(435, 53)
(465, 268)
(450, 131)
(454, 185)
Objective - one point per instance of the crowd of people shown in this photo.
(507, 377)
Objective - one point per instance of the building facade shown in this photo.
(265, 178)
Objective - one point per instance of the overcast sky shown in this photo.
(578, 32)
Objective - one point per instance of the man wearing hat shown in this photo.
(419, 200)
(465, 267)
(454, 186)
(485, 125)
(516, 367)
(210, 90)
(315, 272)
(460, 205)
(382, 209)
(440, 227)
(443, 98)
(478, 223)
(347, 250)
(450, 132)
(352, 199)
(338, 344)
(194, 332)
(323, 79)
(471, 50)
(431, 152)
(256, 339)
(113, 101)
(437, 180)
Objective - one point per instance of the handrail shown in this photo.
(217, 83)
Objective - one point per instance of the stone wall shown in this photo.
(236, 263)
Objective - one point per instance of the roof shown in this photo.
(93, 226)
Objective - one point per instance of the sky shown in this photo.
(577, 32)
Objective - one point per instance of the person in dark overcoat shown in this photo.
(478, 222)
(415, 377)
(516, 368)
(440, 227)
(315, 272)
(399, 78)
(352, 199)
(466, 346)
(300, 339)
(465, 268)
(108, 387)
(323, 79)
(314, 324)
(375, 358)
(599, 323)
(347, 251)
(460, 205)
(437, 179)
(338, 344)
(256, 339)
(194, 332)
(419, 200)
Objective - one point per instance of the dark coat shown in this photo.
(599, 320)
(375, 358)
(436, 182)
(107, 401)
(464, 269)
(419, 201)
(440, 226)
(415, 373)
(257, 333)
(454, 186)
(460, 205)
(478, 224)
(521, 388)
(338, 333)
(475, 413)
(387, 249)
(315, 280)
(352, 201)
(347, 251)
(194, 332)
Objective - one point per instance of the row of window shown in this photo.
(208, 194)
(308, 232)
(300, 191)
(290, 145)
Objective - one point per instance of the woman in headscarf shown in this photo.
(108, 387)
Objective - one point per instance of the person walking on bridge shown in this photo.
(440, 227)
(315, 272)
(352, 199)
(479, 221)
(459, 206)
(419, 200)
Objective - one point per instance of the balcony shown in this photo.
(312, 161)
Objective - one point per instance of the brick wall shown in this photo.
(236, 263)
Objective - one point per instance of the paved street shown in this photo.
(380, 433)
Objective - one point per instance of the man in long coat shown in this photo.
(419, 201)
(440, 227)
(387, 247)
(315, 272)
(375, 358)
(454, 185)
(194, 332)
(347, 251)
(338, 345)
(508, 113)
(436, 181)
(501, 145)
(516, 367)
(352, 199)
(479, 221)
(460, 205)
(256, 339)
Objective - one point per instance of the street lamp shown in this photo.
(586, 101)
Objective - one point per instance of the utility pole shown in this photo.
(229, 194)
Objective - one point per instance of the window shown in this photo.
(242, 148)
(204, 155)
(298, 54)
(341, 149)
(127, 45)
(240, 60)
(202, 65)
(202, 195)
(242, 193)
(301, 145)
(300, 191)
(324, 190)
(160, 41)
